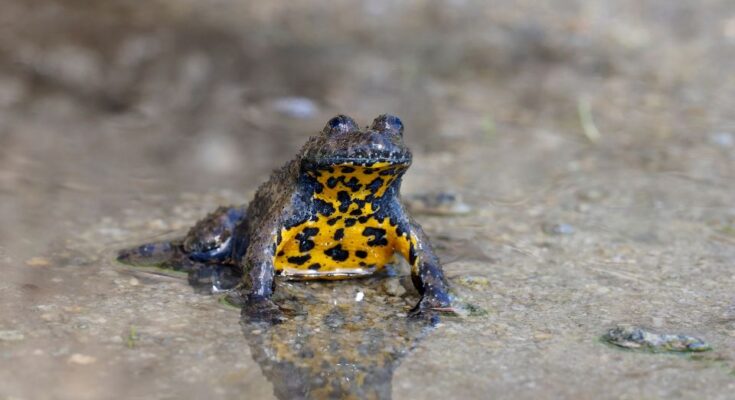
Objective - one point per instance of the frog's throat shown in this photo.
(358, 182)
(345, 238)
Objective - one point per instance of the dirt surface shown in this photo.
(594, 141)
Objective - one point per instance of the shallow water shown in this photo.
(592, 141)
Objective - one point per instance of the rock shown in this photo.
(637, 338)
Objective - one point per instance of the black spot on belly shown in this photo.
(350, 221)
(347, 170)
(323, 208)
(344, 200)
(315, 266)
(378, 235)
(332, 182)
(368, 171)
(304, 238)
(375, 185)
(337, 253)
(356, 212)
(363, 219)
(339, 234)
(299, 260)
(281, 253)
(354, 184)
(361, 253)
(389, 171)
(333, 221)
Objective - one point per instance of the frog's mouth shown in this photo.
(361, 148)
(353, 173)
(358, 163)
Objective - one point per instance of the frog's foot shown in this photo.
(215, 278)
(158, 254)
(261, 309)
(430, 306)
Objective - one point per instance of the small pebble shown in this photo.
(38, 262)
(591, 195)
(438, 203)
(558, 229)
(81, 359)
(723, 139)
(11, 336)
(474, 282)
(393, 287)
(296, 107)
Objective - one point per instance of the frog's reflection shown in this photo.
(344, 340)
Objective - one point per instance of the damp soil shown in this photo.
(594, 143)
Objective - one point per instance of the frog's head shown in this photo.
(341, 143)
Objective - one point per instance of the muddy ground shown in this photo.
(595, 141)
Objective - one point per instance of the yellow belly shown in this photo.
(318, 250)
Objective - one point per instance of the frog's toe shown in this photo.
(148, 254)
(430, 307)
(260, 309)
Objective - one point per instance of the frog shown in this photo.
(333, 212)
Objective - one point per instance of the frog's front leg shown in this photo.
(426, 271)
(213, 238)
(258, 280)
(208, 253)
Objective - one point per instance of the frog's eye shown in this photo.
(340, 124)
(388, 123)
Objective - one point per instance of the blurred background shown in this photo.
(118, 97)
(121, 120)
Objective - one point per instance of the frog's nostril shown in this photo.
(388, 123)
(340, 124)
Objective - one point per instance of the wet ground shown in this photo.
(594, 141)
